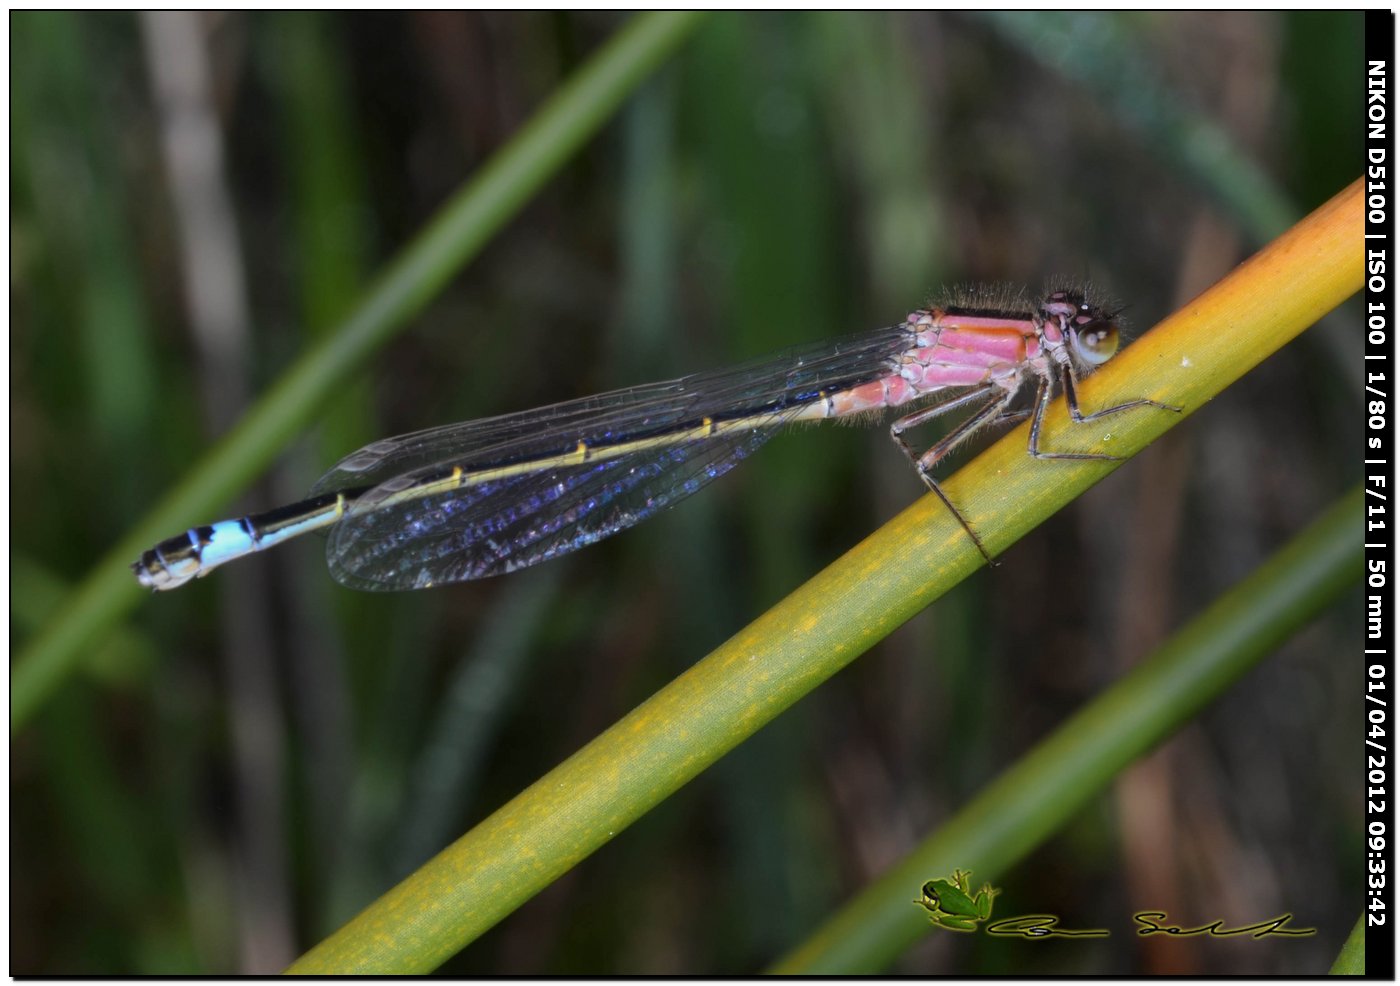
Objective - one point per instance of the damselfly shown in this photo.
(485, 497)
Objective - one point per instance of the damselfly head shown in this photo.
(1093, 342)
(1092, 331)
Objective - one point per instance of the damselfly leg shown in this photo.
(992, 411)
(998, 397)
(1045, 393)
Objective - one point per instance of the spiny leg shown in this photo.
(1010, 418)
(924, 415)
(993, 410)
(1071, 383)
(1044, 394)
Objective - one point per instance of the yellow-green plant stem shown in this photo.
(1351, 960)
(1049, 785)
(461, 228)
(847, 608)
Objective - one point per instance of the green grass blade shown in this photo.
(463, 226)
(1351, 960)
(1101, 51)
(845, 609)
(1048, 786)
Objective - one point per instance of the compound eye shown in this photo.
(1095, 342)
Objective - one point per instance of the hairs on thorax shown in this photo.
(1008, 297)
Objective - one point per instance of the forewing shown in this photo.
(646, 448)
(774, 383)
(502, 525)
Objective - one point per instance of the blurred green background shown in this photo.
(247, 763)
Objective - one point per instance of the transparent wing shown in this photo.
(503, 525)
(389, 541)
(775, 382)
